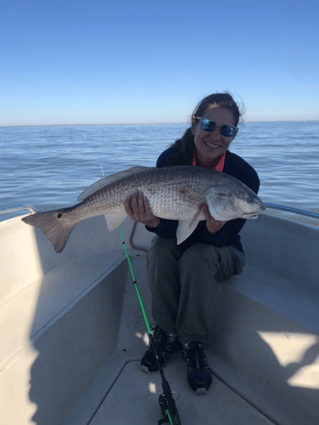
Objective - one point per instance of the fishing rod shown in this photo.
(166, 400)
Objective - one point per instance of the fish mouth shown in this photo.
(254, 214)
(251, 216)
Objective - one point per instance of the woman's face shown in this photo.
(211, 145)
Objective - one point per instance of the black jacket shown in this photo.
(234, 166)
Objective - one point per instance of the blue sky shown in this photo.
(100, 62)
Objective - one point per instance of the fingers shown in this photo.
(128, 209)
(135, 205)
(214, 226)
(141, 206)
(148, 211)
(138, 208)
(207, 213)
(131, 207)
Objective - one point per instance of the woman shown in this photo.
(182, 276)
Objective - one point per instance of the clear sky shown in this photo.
(138, 61)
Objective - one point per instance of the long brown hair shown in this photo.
(186, 146)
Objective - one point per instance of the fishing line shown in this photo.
(166, 400)
(102, 170)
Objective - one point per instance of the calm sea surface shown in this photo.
(47, 167)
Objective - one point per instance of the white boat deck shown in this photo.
(72, 332)
(124, 394)
(140, 392)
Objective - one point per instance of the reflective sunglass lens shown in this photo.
(227, 130)
(208, 125)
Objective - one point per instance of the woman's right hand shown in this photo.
(138, 209)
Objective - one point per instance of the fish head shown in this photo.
(230, 201)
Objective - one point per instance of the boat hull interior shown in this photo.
(73, 334)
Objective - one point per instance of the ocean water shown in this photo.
(48, 167)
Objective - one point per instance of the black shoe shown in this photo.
(199, 376)
(165, 345)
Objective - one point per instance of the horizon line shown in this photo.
(152, 123)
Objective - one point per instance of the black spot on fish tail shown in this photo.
(53, 225)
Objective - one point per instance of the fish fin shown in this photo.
(185, 229)
(199, 214)
(114, 220)
(54, 227)
(106, 181)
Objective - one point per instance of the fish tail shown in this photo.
(54, 225)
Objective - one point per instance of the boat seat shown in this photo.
(265, 342)
(32, 310)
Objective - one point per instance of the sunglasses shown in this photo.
(225, 130)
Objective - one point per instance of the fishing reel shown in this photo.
(169, 409)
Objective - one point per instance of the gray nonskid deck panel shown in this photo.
(133, 396)
(133, 399)
(122, 393)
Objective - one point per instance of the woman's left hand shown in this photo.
(213, 226)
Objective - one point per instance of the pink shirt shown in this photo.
(219, 167)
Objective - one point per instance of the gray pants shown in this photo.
(182, 285)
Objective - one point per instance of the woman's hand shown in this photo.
(213, 226)
(138, 208)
